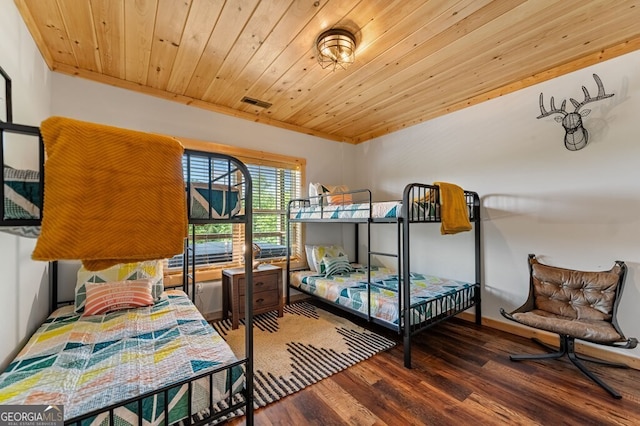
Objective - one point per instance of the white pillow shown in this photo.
(308, 249)
(316, 190)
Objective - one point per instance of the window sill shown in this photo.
(174, 279)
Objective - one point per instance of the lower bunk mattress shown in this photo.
(431, 296)
(87, 363)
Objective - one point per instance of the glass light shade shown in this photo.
(336, 49)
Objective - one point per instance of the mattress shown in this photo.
(21, 200)
(386, 209)
(21, 194)
(87, 363)
(379, 210)
(221, 201)
(350, 290)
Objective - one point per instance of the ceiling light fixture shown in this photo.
(336, 49)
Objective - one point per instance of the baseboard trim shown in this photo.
(553, 339)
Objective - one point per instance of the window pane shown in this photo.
(273, 188)
(222, 244)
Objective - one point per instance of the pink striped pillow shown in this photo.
(116, 295)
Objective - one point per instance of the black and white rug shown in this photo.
(303, 347)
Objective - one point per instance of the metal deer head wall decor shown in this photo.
(576, 136)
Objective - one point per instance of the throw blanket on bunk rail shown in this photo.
(454, 212)
(111, 195)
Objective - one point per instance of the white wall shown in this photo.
(573, 209)
(99, 103)
(22, 284)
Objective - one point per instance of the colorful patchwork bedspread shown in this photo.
(350, 290)
(90, 362)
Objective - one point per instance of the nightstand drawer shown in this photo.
(261, 282)
(263, 301)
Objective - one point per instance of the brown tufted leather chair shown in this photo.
(575, 305)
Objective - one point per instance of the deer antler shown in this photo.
(554, 110)
(588, 98)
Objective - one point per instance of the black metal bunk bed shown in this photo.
(412, 210)
(237, 178)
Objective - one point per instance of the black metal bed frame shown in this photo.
(244, 399)
(413, 317)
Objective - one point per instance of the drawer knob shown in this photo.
(258, 284)
(259, 300)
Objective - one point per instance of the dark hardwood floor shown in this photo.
(461, 375)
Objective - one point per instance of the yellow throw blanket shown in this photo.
(453, 209)
(111, 195)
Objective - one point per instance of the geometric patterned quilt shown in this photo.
(90, 362)
(350, 290)
(385, 209)
(425, 211)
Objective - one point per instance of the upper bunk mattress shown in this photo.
(350, 290)
(379, 210)
(21, 200)
(90, 362)
(218, 201)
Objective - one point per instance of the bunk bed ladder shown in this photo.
(189, 265)
(385, 254)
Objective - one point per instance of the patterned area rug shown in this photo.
(303, 347)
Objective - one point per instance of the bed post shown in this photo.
(288, 268)
(248, 273)
(8, 100)
(357, 237)
(53, 286)
(478, 257)
(406, 293)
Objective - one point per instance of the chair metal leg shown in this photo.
(553, 355)
(574, 359)
(567, 346)
(602, 362)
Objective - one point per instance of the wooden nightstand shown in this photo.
(267, 292)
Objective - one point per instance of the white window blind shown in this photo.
(273, 187)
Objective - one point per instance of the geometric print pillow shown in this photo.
(150, 269)
(114, 296)
(336, 265)
(320, 251)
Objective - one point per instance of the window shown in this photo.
(273, 187)
(276, 180)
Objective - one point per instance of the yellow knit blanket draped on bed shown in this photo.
(111, 195)
(454, 213)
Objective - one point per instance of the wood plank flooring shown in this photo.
(461, 375)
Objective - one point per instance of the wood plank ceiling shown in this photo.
(415, 59)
